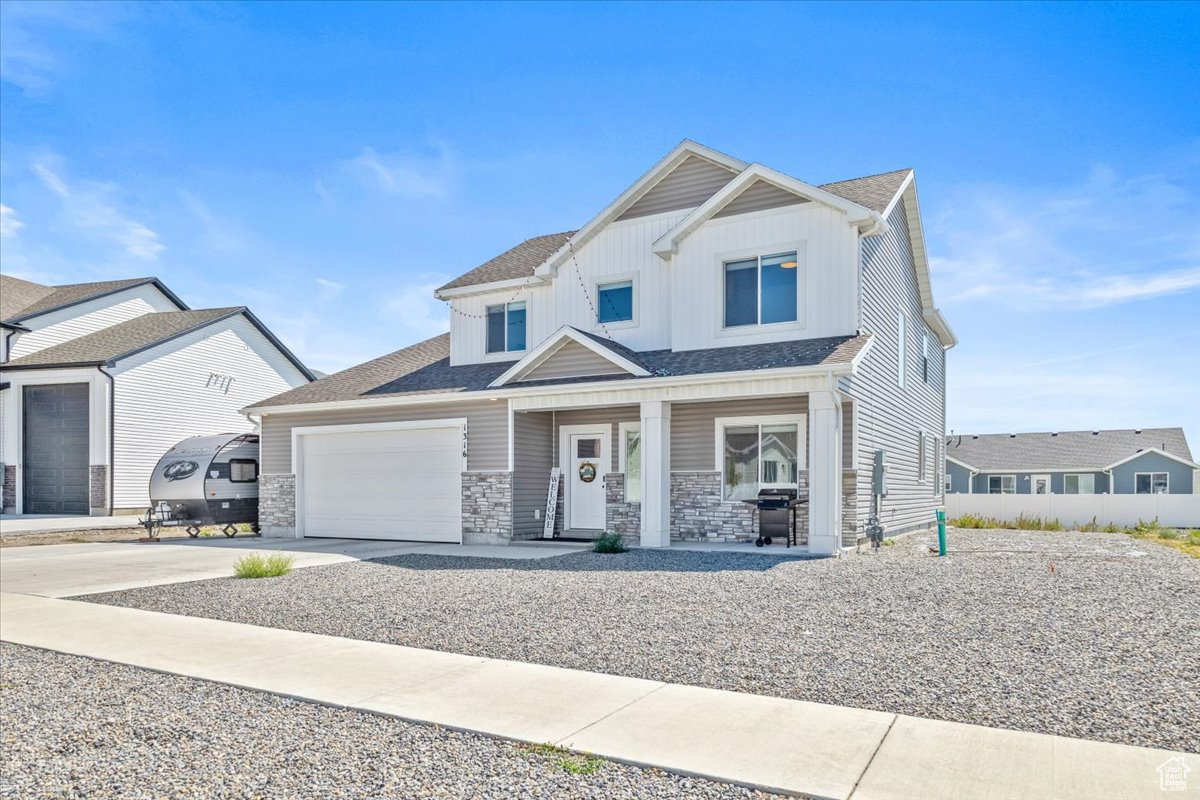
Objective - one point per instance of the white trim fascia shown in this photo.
(668, 243)
(654, 381)
(940, 327)
(486, 288)
(551, 344)
(1147, 451)
(634, 193)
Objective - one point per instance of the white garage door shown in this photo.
(383, 484)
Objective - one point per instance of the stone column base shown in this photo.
(486, 507)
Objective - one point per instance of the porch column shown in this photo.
(656, 473)
(824, 474)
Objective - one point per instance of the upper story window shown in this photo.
(925, 357)
(760, 291)
(615, 301)
(506, 328)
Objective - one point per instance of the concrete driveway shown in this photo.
(68, 570)
(18, 524)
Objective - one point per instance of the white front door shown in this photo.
(1039, 484)
(587, 459)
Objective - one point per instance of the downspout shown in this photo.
(112, 439)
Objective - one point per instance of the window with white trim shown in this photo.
(506, 328)
(758, 454)
(1151, 483)
(1002, 484)
(948, 483)
(900, 342)
(761, 290)
(615, 301)
(631, 460)
(925, 357)
(1082, 483)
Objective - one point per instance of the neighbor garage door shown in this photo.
(56, 449)
(382, 484)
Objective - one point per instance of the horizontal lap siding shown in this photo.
(1179, 482)
(60, 326)
(487, 429)
(532, 460)
(687, 186)
(891, 416)
(572, 360)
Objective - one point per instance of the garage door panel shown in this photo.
(399, 484)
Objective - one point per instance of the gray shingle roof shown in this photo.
(1024, 452)
(425, 368)
(21, 299)
(516, 262)
(873, 192)
(109, 344)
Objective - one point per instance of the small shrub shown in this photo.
(1111, 527)
(975, 521)
(1029, 523)
(564, 759)
(609, 543)
(255, 565)
(1090, 527)
(889, 542)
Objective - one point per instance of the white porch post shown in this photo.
(656, 473)
(824, 474)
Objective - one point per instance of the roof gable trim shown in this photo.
(544, 351)
(1157, 451)
(149, 281)
(668, 243)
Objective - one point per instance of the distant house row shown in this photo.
(1133, 461)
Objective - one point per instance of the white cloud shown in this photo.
(404, 174)
(37, 40)
(329, 289)
(1105, 241)
(93, 207)
(9, 224)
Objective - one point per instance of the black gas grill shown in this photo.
(776, 515)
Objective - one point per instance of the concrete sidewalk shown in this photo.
(17, 524)
(69, 570)
(765, 742)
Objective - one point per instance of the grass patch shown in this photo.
(889, 542)
(609, 543)
(567, 761)
(975, 521)
(1185, 541)
(254, 565)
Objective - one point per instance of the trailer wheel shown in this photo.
(766, 540)
(758, 542)
(193, 531)
(230, 531)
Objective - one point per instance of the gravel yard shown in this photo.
(1088, 635)
(78, 728)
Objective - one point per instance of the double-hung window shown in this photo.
(758, 455)
(631, 460)
(506, 328)
(1002, 484)
(760, 291)
(1151, 483)
(1079, 484)
(615, 301)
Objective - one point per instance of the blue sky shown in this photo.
(329, 165)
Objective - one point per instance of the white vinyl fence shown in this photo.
(1072, 510)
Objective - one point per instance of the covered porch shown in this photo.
(675, 465)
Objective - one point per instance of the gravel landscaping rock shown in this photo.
(1087, 635)
(79, 728)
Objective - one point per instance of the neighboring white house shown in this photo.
(719, 328)
(97, 380)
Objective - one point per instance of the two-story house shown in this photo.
(98, 380)
(719, 328)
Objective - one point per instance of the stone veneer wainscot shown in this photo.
(277, 505)
(486, 507)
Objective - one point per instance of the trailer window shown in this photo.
(243, 470)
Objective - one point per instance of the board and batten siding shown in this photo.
(78, 320)
(890, 417)
(168, 393)
(533, 458)
(487, 429)
(622, 251)
(572, 360)
(826, 276)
